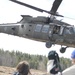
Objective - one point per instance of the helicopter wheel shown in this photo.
(62, 50)
(48, 44)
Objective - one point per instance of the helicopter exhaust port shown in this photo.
(48, 44)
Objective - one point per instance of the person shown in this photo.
(22, 68)
(73, 57)
(53, 65)
(71, 70)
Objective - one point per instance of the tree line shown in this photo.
(11, 59)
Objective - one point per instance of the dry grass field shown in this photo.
(9, 71)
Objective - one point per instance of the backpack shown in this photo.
(53, 55)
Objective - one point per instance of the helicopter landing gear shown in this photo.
(48, 44)
(63, 49)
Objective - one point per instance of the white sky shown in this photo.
(10, 12)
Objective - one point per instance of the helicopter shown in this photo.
(43, 29)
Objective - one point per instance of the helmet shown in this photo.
(52, 55)
(73, 54)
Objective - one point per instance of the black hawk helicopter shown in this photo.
(44, 29)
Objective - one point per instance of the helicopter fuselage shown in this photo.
(40, 30)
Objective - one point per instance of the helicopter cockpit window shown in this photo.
(74, 29)
(38, 27)
(69, 30)
(45, 28)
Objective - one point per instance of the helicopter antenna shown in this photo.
(52, 12)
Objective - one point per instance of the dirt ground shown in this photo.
(9, 71)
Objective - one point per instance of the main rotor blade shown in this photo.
(55, 6)
(30, 6)
(35, 8)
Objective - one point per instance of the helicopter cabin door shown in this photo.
(56, 30)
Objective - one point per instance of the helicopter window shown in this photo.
(69, 30)
(74, 29)
(45, 28)
(38, 27)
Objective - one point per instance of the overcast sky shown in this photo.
(10, 12)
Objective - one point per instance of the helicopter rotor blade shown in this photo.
(30, 6)
(35, 8)
(55, 6)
